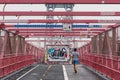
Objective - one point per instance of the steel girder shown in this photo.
(57, 34)
(60, 33)
(59, 21)
(95, 32)
(56, 40)
(28, 13)
(59, 1)
(55, 29)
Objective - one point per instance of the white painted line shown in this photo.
(65, 73)
(26, 73)
(49, 67)
(43, 74)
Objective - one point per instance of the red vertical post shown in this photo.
(34, 52)
(93, 44)
(97, 44)
(114, 41)
(25, 48)
(105, 44)
(37, 55)
(100, 44)
(23, 44)
(14, 44)
(17, 45)
(90, 47)
(109, 49)
(109, 45)
(31, 49)
(4, 44)
(28, 48)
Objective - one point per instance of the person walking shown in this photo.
(75, 56)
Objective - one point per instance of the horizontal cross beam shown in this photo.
(71, 32)
(59, 1)
(57, 40)
(54, 29)
(28, 13)
(59, 21)
(58, 34)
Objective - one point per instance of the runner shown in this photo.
(75, 56)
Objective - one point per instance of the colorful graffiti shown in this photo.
(58, 53)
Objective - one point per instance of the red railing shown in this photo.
(12, 63)
(109, 66)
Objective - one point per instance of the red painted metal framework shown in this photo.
(16, 53)
(103, 53)
(56, 40)
(59, 1)
(55, 31)
(59, 21)
(28, 13)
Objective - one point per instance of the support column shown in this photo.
(105, 43)
(25, 48)
(114, 39)
(45, 48)
(92, 45)
(109, 45)
(4, 45)
(100, 44)
(97, 44)
(13, 44)
(17, 45)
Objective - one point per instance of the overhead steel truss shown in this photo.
(56, 29)
(48, 32)
(57, 34)
(59, 1)
(37, 13)
(56, 40)
(59, 21)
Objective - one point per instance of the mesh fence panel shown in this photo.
(2, 34)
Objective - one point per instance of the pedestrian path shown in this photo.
(82, 74)
(58, 72)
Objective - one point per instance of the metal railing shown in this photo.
(104, 64)
(12, 63)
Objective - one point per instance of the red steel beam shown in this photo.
(41, 36)
(58, 34)
(58, 31)
(59, 21)
(56, 40)
(28, 13)
(12, 26)
(87, 32)
(111, 27)
(54, 29)
(59, 1)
